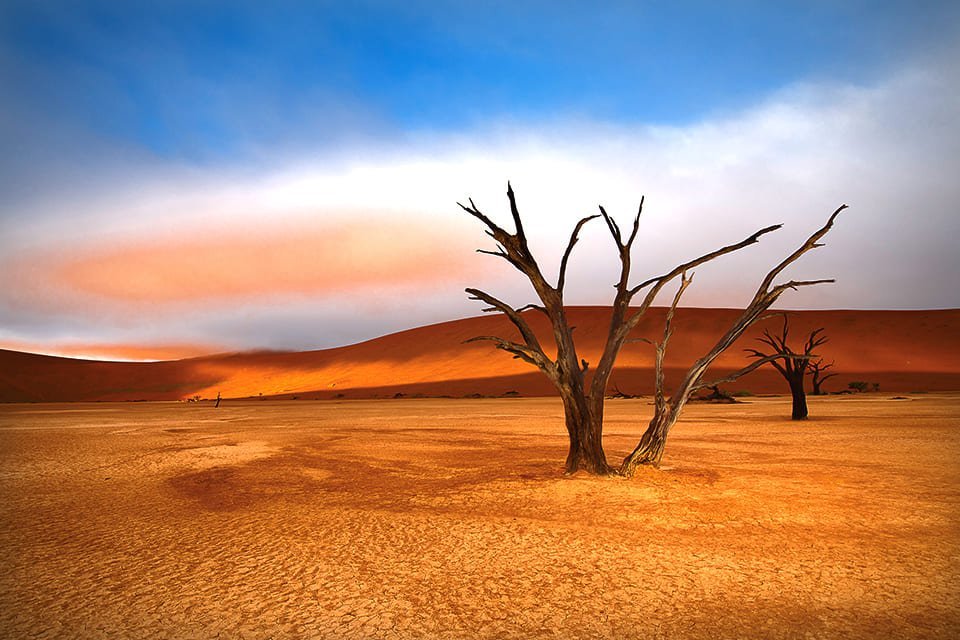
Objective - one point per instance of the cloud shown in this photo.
(113, 351)
(328, 235)
(272, 259)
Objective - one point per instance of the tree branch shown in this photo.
(500, 253)
(561, 280)
(661, 348)
(476, 213)
(521, 236)
(819, 367)
(512, 247)
(772, 359)
(756, 364)
(813, 341)
(660, 281)
(762, 300)
(636, 224)
(613, 227)
(535, 307)
(522, 352)
(525, 331)
(795, 284)
(811, 243)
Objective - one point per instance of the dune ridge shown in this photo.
(899, 350)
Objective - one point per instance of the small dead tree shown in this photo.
(792, 365)
(583, 396)
(817, 377)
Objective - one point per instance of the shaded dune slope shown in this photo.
(900, 350)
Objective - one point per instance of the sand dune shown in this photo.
(900, 350)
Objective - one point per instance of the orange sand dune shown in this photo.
(900, 350)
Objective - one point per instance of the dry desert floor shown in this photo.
(451, 519)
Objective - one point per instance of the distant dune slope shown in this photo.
(900, 350)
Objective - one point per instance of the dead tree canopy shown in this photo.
(583, 396)
(818, 374)
(792, 365)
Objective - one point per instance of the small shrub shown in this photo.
(743, 393)
(858, 385)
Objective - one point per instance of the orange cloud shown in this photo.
(109, 351)
(304, 258)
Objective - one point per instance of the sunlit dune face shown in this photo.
(114, 352)
(257, 262)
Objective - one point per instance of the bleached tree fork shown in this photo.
(650, 449)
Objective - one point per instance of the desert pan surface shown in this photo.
(441, 518)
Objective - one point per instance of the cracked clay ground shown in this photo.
(450, 519)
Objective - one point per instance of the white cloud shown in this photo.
(889, 150)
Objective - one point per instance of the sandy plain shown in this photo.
(451, 519)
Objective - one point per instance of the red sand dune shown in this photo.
(900, 350)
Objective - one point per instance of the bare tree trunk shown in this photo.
(799, 397)
(650, 449)
(819, 368)
(585, 430)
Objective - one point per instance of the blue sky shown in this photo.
(125, 121)
(202, 81)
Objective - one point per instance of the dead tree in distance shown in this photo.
(793, 365)
(583, 397)
(817, 377)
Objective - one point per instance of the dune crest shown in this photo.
(899, 350)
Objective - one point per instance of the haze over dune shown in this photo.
(900, 350)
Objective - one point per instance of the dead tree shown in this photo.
(792, 365)
(583, 396)
(817, 377)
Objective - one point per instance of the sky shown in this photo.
(187, 178)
